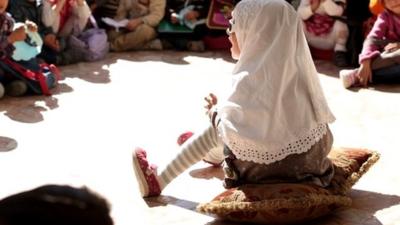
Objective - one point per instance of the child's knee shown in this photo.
(146, 31)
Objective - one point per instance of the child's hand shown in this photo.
(32, 27)
(51, 41)
(211, 100)
(365, 73)
(192, 15)
(58, 6)
(17, 35)
(314, 4)
(133, 24)
(391, 47)
(174, 18)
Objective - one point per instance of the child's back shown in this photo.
(274, 123)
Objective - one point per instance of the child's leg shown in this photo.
(71, 27)
(133, 40)
(215, 156)
(341, 35)
(192, 151)
(386, 59)
(386, 67)
(341, 32)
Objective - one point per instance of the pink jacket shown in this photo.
(386, 29)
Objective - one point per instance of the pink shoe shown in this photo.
(145, 174)
(348, 77)
(183, 137)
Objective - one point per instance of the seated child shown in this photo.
(8, 36)
(66, 18)
(274, 123)
(22, 10)
(143, 16)
(189, 13)
(322, 30)
(380, 56)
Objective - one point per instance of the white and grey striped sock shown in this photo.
(192, 151)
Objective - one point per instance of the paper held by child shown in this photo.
(114, 23)
(188, 23)
(28, 48)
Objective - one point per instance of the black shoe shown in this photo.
(340, 59)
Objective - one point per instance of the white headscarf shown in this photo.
(276, 106)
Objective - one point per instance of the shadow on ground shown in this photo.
(7, 144)
(29, 109)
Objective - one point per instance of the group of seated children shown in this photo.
(141, 25)
(371, 33)
(133, 26)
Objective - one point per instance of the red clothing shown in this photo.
(319, 25)
(65, 11)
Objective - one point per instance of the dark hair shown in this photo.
(55, 205)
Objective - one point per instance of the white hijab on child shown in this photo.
(276, 106)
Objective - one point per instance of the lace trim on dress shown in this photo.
(249, 151)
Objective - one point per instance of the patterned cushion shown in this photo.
(350, 165)
(293, 202)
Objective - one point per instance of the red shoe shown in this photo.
(183, 137)
(145, 174)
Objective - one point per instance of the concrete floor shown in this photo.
(85, 133)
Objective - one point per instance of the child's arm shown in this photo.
(17, 35)
(371, 48)
(32, 27)
(122, 11)
(391, 47)
(156, 13)
(82, 11)
(51, 14)
(20, 15)
(50, 40)
(211, 100)
(364, 73)
(211, 110)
